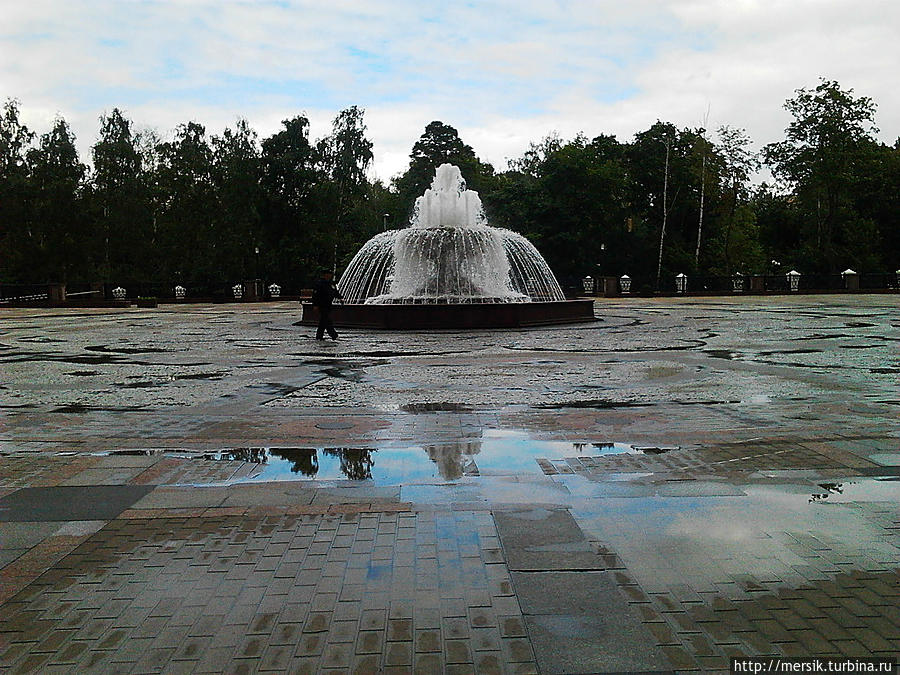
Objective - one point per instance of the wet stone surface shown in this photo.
(680, 482)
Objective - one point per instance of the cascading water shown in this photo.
(448, 255)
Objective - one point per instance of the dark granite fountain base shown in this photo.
(436, 317)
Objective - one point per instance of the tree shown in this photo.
(441, 144)
(738, 163)
(293, 224)
(828, 146)
(57, 243)
(567, 198)
(664, 189)
(346, 155)
(121, 201)
(236, 170)
(15, 138)
(188, 240)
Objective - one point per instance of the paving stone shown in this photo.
(544, 540)
(398, 654)
(94, 502)
(428, 641)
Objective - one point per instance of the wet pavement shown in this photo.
(208, 489)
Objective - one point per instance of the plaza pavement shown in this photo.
(174, 491)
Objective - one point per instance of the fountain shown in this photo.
(450, 269)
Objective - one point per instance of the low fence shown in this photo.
(645, 285)
(105, 294)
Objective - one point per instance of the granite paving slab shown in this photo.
(545, 539)
(63, 503)
(579, 622)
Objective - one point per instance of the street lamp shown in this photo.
(384, 221)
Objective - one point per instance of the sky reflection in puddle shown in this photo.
(764, 531)
(495, 452)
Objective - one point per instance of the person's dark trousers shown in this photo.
(325, 323)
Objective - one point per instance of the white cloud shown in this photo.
(505, 73)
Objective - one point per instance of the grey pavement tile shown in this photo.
(593, 643)
(96, 502)
(541, 539)
(580, 623)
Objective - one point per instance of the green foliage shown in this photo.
(214, 210)
(441, 144)
(829, 145)
(15, 251)
(120, 202)
(58, 230)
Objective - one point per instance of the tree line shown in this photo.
(215, 209)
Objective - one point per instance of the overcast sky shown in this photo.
(504, 73)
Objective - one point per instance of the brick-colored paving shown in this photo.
(760, 514)
(355, 592)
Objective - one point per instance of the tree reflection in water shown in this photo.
(303, 460)
(356, 463)
(250, 455)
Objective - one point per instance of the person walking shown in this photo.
(323, 297)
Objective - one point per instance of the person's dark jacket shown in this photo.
(325, 292)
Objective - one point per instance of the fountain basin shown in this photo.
(470, 315)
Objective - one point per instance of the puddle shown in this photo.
(594, 403)
(153, 384)
(127, 350)
(791, 351)
(721, 354)
(276, 389)
(708, 538)
(860, 490)
(497, 452)
(435, 407)
(78, 408)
